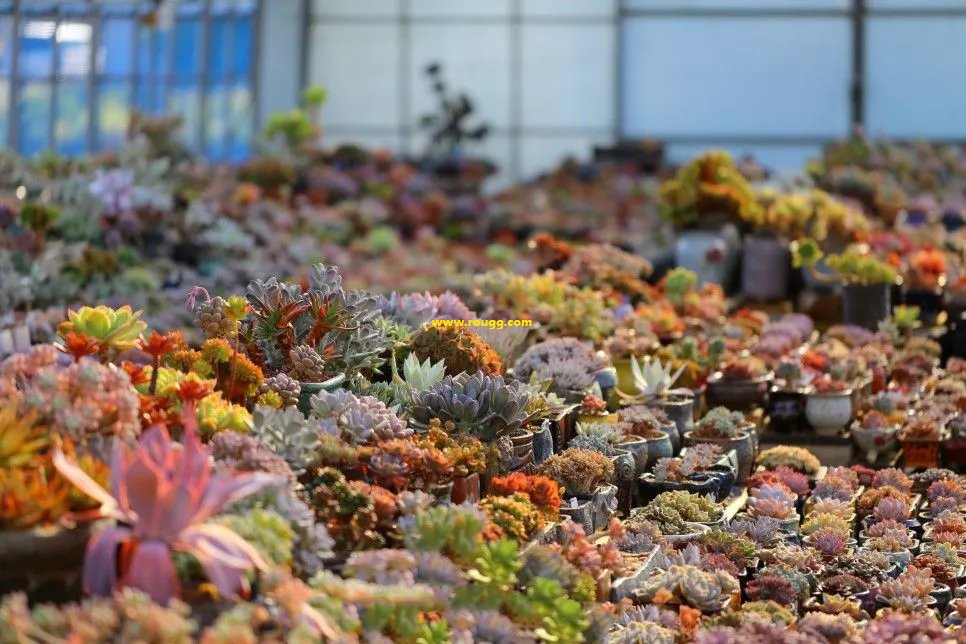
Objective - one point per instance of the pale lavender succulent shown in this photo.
(114, 188)
(384, 567)
(244, 453)
(415, 309)
(568, 362)
(358, 419)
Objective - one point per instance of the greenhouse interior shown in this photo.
(496, 321)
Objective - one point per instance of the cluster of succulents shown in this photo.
(356, 419)
(720, 422)
(577, 471)
(458, 348)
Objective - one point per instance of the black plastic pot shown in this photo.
(866, 305)
(786, 410)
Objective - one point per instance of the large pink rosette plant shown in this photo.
(162, 494)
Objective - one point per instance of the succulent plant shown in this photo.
(891, 508)
(486, 406)
(762, 530)
(829, 627)
(689, 585)
(720, 422)
(898, 626)
(415, 309)
(909, 590)
(697, 458)
(458, 348)
(797, 458)
(652, 378)
(816, 522)
(357, 419)
(21, 437)
(774, 508)
(117, 329)
(245, 453)
(830, 543)
(569, 363)
(515, 515)
(420, 376)
(738, 549)
(288, 433)
(844, 584)
(894, 477)
(578, 471)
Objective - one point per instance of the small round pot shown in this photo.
(873, 442)
(742, 444)
(786, 409)
(625, 376)
(829, 412)
(659, 447)
(522, 440)
(712, 254)
(738, 395)
(639, 449)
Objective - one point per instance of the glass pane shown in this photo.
(216, 121)
(778, 158)
(460, 8)
(113, 113)
(219, 41)
(74, 48)
(187, 40)
(243, 46)
(356, 8)
(149, 96)
(357, 64)
(564, 82)
(70, 128)
(37, 47)
(185, 100)
(736, 76)
(6, 44)
(4, 110)
(117, 43)
(738, 4)
(476, 60)
(553, 8)
(909, 77)
(34, 117)
(240, 122)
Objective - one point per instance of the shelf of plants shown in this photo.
(316, 457)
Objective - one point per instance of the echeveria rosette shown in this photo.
(118, 329)
(164, 493)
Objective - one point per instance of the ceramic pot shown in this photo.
(920, 454)
(680, 410)
(765, 268)
(625, 376)
(522, 440)
(466, 489)
(866, 305)
(309, 389)
(873, 442)
(648, 487)
(738, 395)
(43, 562)
(829, 413)
(640, 451)
(712, 254)
(786, 409)
(743, 446)
(659, 447)
(542, 443)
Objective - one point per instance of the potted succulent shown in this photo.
(694, 471)
(786, 400)
(775, 500)
(623, 346)
(742, 384)
(867, 282)
(640, 423)
(796, 458)
(730, 431)
(954, 446)
(828, 406)
(585, 477)
(920, 439)
(687, 585)
(703, 201)
(874, 435)
(652, 384)
(593, 409)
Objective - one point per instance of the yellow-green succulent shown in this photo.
(118, 329)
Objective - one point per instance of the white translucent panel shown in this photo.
(355, 7)
(540, 154)
(358, 64)
(555, 8)
(388, 141)
(736, 76)
(460, 7)
(475, 60)
(784, 159)
(914, 77)
(568, 78)
(916, 4)
(738, 4)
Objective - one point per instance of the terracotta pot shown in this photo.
(742, 444)
(466, 489)
(920, 454)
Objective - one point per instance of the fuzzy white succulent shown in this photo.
(651, 377)
(422, 376)
(608, 431)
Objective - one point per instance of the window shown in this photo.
(71, 72)
(539, 71)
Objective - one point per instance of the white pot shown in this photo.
(872, 442)
(829, 413)
(712, 254)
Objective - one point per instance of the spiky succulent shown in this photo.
(421, 376)
(357, 419)
(458, 348)
(486, 406)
